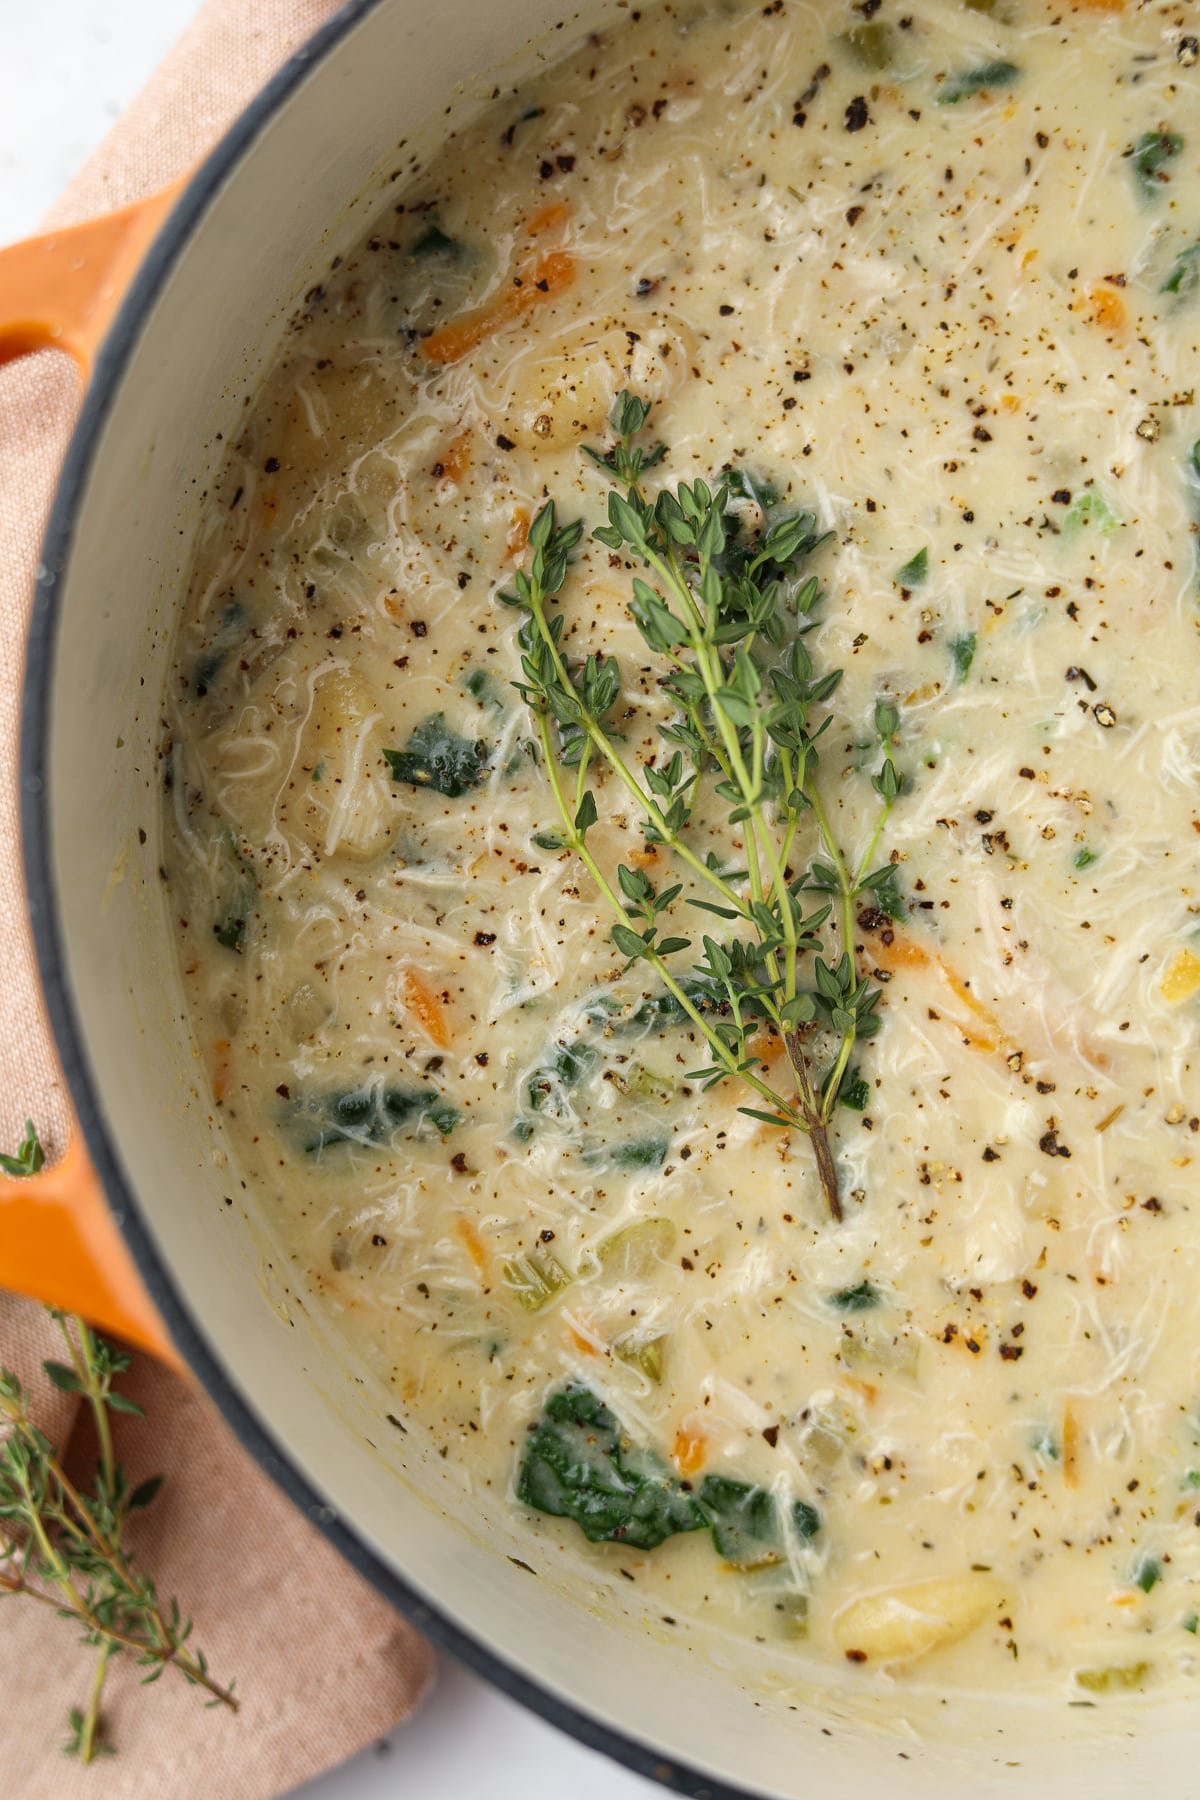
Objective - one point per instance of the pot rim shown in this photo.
(35, 807)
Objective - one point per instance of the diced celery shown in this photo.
(635, 1251)
(880, 1350)
(646, 1354)
(872, 45)
(640, 1083)
(535, 1277)
(791, 1615)
(1117, 1678)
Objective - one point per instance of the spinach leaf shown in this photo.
(1148, 1573)
(988, 75)
(565, 1067)
(962, 651)
(914, 571)
(1150, 157)
(859, 1298)
(1184, 276)
(579, 1465)
(745, 1521)
(370, 1116)
(230, 930)
(640, 1153)
(238, 891)
(437, 757)
(434, 242)
(483, 690)
(228, 635)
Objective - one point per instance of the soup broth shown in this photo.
(930, 274)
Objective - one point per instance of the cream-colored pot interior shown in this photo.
(301, 189)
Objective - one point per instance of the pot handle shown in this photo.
(58, 1241)
(60, 291)
(60, 1244)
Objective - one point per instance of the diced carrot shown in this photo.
(769, 1047)
(550, 275)
(474, 1245)
(427, 1008)
(976, 1039)
(644, 859)
(1010, 402)
(904, 952)
(689, 1452)
(582, 1343)
(867, 1389)
(895, 950)
(268, 506)
(1105, 307)
(1070, 1448)
(516, 541)
(555, 212)
(961, 991)
(455, 460)
(222, 1056)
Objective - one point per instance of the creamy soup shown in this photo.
(898, 1367)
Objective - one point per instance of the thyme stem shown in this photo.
(91, 1718)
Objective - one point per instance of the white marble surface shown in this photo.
(66, 71)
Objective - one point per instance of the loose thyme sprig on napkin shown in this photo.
(63, 1545)
(724, 614)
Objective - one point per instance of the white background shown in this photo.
(67, 70)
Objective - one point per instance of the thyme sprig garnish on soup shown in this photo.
(725, 615)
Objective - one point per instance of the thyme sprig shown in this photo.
(62, 1544)
(724, 613)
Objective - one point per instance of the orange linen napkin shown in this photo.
(322, 1665)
